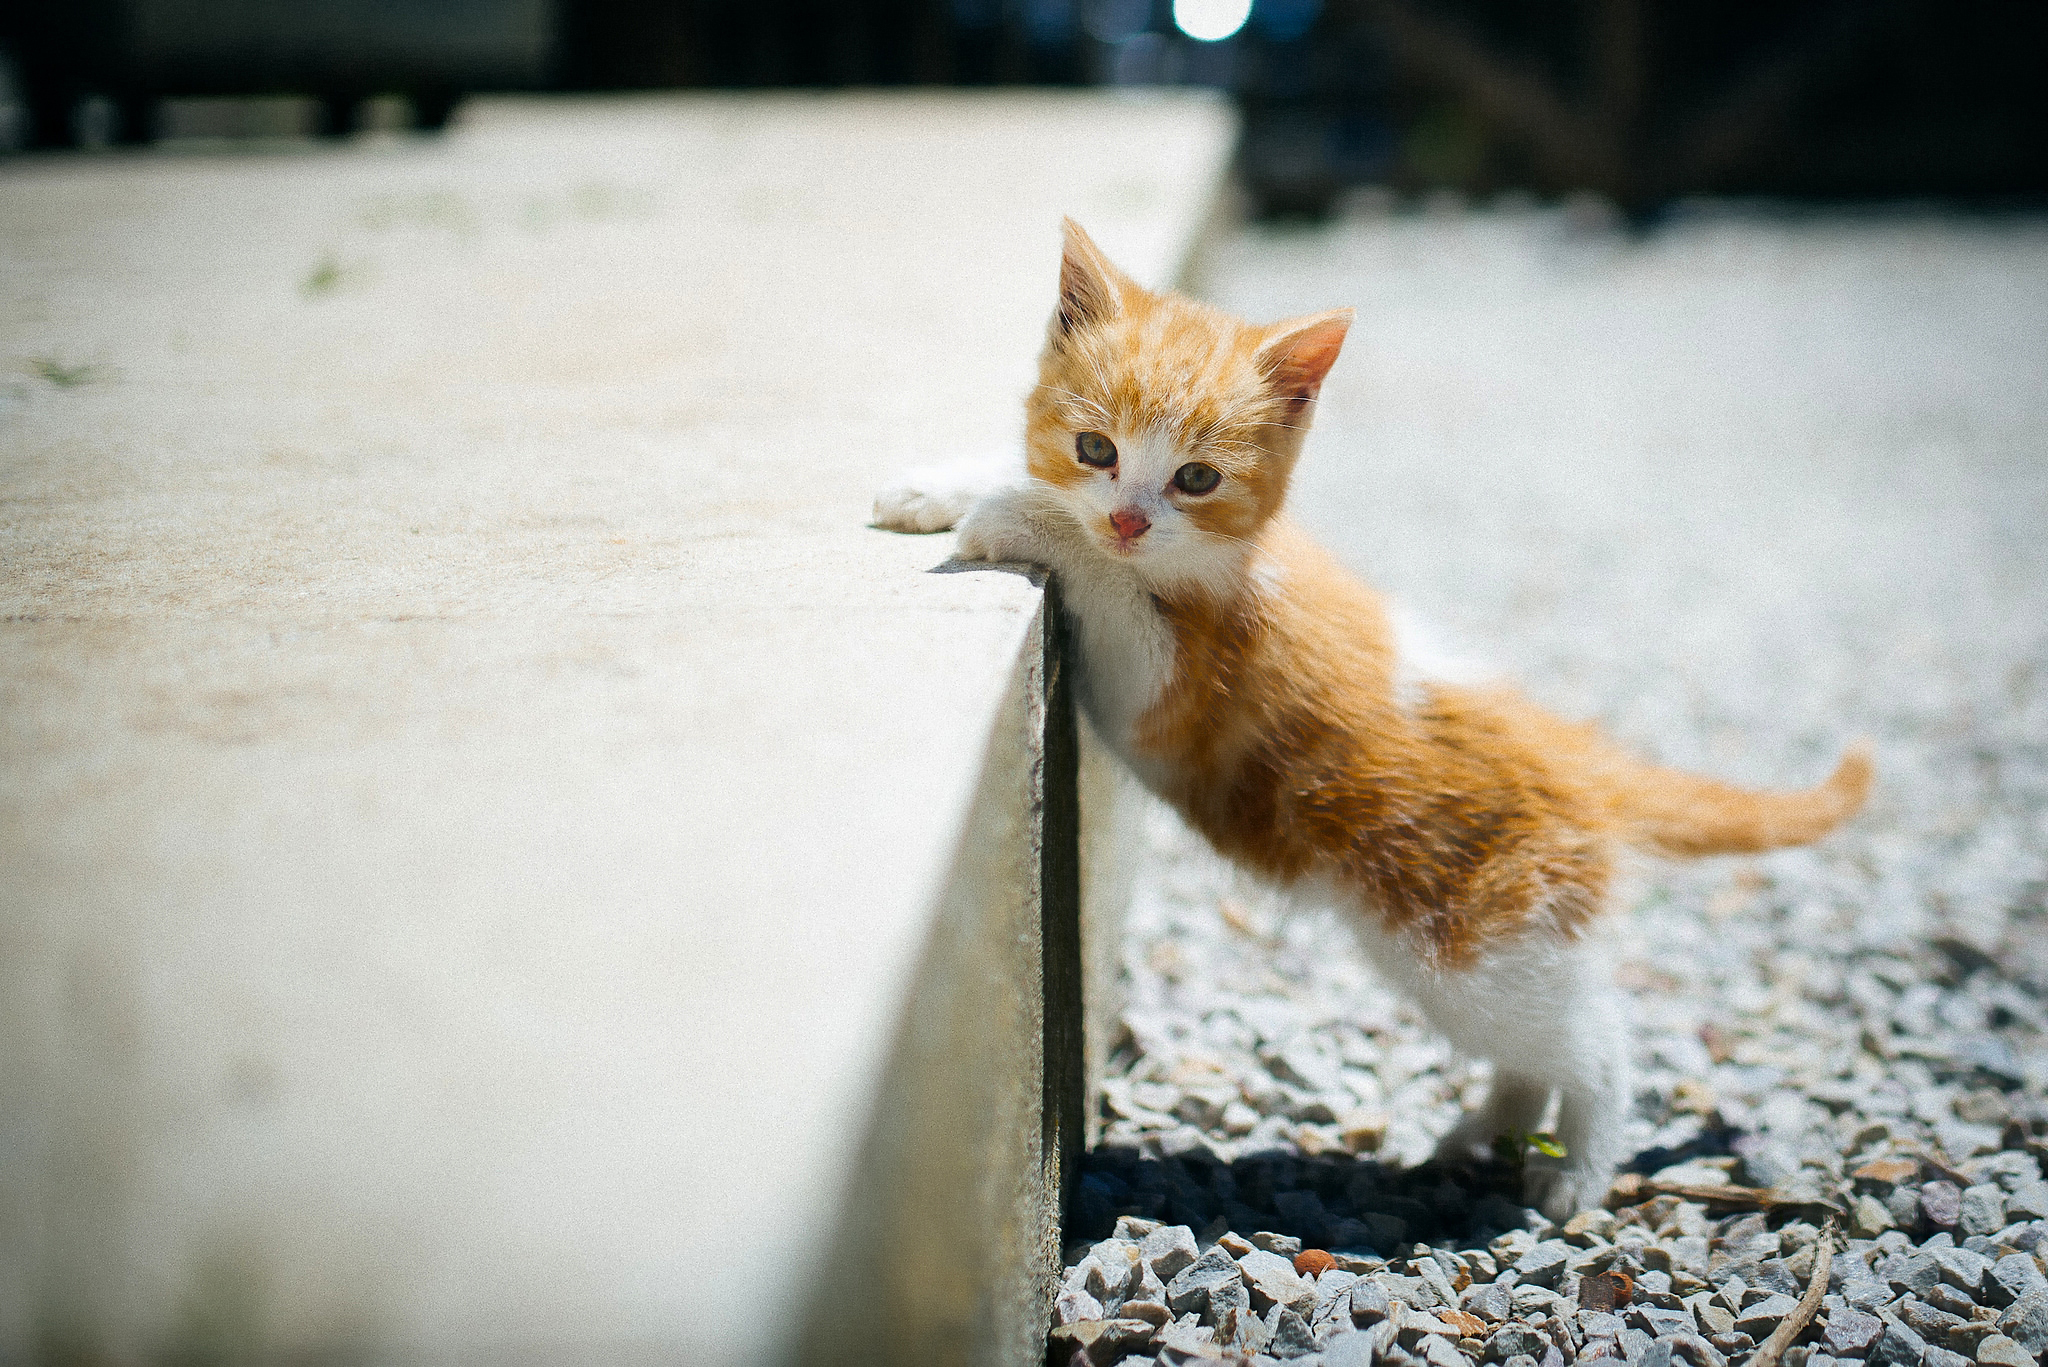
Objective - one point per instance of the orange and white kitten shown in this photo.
(1261, 690)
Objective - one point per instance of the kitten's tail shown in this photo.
(1676, 813)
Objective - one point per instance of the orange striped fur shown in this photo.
(1462, 818)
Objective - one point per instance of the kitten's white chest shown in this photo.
(1124, 647)
(1126, 657)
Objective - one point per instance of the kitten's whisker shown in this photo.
(1080, 401)
(1246, 542)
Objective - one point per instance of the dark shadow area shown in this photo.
(1329, 1201)
(98, 73)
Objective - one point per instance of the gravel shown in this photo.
(1742, 491)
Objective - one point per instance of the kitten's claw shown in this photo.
(933, 498)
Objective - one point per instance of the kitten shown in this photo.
(1257, 687)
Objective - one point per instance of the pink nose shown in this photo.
(1130, 524)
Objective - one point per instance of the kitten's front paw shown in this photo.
(998, 529)
(913, 507)
(933, 498)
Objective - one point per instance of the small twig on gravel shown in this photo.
(1802, 1314)
(1631, 1188)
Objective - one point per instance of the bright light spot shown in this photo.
(1210, 21)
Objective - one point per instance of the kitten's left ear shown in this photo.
(1299, 352)
(1091, 287)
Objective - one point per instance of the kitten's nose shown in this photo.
(1130, 524)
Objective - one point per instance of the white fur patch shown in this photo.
(1422, 657)
(1549, 1017)
(933, 498)
(1269, 576)
(1126, 654)
(1544, 1010)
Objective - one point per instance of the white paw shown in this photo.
(914, 507)
(933, 498)
(1561, 1193)
(999, 529)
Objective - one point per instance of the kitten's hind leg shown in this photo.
(1549, 1017)
(933, 498)
(1592, 1112)
(1514, 1106)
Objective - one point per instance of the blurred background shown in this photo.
(1638, 101)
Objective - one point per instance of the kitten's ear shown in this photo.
(1299, 352)
(1091, 289)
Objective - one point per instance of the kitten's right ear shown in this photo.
(1091, 289)
(1299, 353)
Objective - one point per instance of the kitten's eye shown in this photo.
(1095, 449)
(1196, 478)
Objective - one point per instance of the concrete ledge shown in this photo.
(501, 863)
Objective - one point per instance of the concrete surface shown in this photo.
(474, 796)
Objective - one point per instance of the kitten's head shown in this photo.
(1168, 429)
